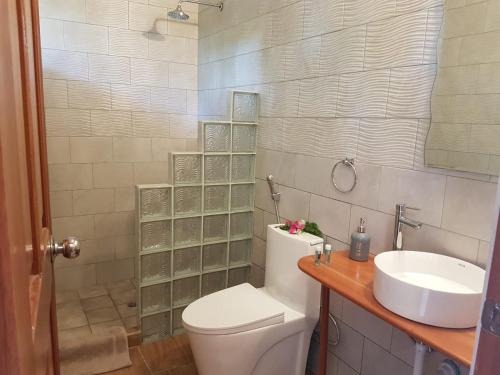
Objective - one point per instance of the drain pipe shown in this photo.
(420, 351)
(275, 196)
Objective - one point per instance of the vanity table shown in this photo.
(354, 281)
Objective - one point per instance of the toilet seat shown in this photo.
(238, 309)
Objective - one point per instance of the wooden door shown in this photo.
(28, 326)
(487, 356)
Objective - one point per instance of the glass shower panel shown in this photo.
(216, 198)
(238, 276)
(213, 282)
(187, 231)
(187, 169)
(215, 228)
(155, 327)
(243, 168)
(187, 200)
(186, 291)
(156, 235)
(155, 298)
(245, 106)
(155, 267)
(242, 197)
(239, 252)
(156, 203)
(217, 168)
(214, 256)
(187, 261)
(241, 225)
(244, 138)
(217, 137)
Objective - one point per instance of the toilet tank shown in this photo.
(284, 280)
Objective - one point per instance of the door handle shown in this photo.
(69, 248)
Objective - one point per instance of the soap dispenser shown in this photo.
(360, 243)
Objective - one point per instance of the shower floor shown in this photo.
(85, 311)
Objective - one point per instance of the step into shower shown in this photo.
(195, 234)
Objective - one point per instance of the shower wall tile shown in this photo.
(85, 38)
(113, 115)
(128, 43)
(109, 69)
(322, 17)
(107, 12)
(318, 97)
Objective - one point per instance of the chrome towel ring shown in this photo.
(349, 163)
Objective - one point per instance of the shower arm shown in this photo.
(219, 5)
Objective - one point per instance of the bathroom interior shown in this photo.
(182, 152)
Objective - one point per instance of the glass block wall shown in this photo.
(195, 234)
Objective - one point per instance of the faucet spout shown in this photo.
(401, 219)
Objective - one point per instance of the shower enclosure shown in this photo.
(195, 234)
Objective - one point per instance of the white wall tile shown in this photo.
(380, 227)
(471, 216)
(125, 199)
(127, 149)
(81, 227)
(174, 49)
(183, 126)
(147, 18)
(65, 65)
(67, 122)
(69, 10)
(109, 69)
(288, 23)
(127, 43)
(114, 224)
(108, 12)
(318, 97)
(61, 203)
(415, 189)
(91, 149)
(89, 95)
(377, 361)
(108, 175)
(149, 72)
(358, 12)
(332, 217)
(51, 33)
(94, 201)
(130, 98)
(322, 16)
(146, 124)
(363, 94)
(85, 38)
(55, 93)
(151, 173)
(58, 150)
(70, 176)
(168, 100)
(183, 76)
(281, 165)
(294, 203)
(111, 123)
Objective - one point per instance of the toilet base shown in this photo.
(274, 350)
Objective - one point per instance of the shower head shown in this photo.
(178, 13)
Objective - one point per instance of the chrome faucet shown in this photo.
(397, 242)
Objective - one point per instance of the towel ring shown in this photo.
(350, 164)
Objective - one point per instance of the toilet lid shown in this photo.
(238, 309)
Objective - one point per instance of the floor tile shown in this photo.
(70, 315)
(67, 296)
(74, 332)
(119, 286)
(92, 291)
(102, 315)
(125, 296)
(100, 328)
(138, 366)
(125, 311)
(184, 370)
(164, 355)
(96, 303)
(183, 344)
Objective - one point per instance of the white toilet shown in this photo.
(247, 331)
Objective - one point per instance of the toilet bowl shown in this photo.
(248, 331)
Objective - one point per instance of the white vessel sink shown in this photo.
(429, 288)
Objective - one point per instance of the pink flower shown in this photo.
(297, 227)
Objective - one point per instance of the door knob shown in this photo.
(69, 248)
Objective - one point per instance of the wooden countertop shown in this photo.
(354, 281)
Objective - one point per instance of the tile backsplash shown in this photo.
(121, 87)
(340, 79)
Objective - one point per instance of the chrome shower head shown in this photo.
(178, 13)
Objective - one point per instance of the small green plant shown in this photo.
(302, 226)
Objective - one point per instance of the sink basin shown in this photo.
(429, 288)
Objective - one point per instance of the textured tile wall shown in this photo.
(344, 78)
(118, 99)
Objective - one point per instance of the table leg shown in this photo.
(323, 329)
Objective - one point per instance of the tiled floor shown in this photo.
(85, 311)
(168, 357)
